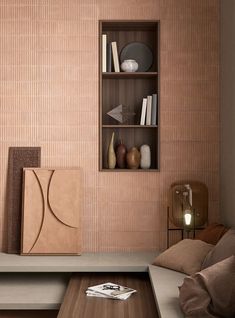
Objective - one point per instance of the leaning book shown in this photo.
(115, 57)
(110, 290)
(149, 110)
(143, 111)
(154, 110)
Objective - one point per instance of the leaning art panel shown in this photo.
(50, 214)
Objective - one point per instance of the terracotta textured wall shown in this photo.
(49, 98)
(227, 133)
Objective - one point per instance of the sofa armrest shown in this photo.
(165, 283)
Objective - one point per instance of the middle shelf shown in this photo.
(129, 75)
(128, 92)
(129, 126)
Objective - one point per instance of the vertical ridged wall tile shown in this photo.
(49, 98)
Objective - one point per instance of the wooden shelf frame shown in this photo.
(128, 89)
(130, 74)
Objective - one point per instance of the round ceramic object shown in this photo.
(139, 52)
(145, 159)
(133, 158)
(129, 66)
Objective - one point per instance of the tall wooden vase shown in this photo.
(121, 155)
(111, 154)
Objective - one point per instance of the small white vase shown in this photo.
(129, 66)
(145, 159)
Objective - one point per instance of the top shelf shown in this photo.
(129, 74)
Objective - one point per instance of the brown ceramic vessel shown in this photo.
(133, 158)
(121, 155)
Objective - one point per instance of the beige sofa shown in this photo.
(202, 294)
(165, 284)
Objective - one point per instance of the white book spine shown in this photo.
(115, 57)
(104, 52)
(154, 110)
(143, 111)
(149, 110)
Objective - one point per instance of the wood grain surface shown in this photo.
(28, 313)
(139, 305)
(19, 157)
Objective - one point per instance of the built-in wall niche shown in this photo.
(128, 89)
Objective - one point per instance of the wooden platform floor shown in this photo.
(139, 305)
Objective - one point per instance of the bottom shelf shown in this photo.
(128, 170)
(130, 137)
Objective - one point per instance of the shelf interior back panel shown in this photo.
(129, 93)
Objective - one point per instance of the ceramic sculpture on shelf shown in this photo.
(129, 66)
(121, 155)
(111, 154)
(145, 159)
(133, 158)
(121, 113)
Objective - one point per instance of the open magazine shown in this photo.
(110, 290)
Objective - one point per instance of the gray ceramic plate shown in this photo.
(140, 52)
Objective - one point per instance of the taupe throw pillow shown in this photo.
(212, 233)
(211, 292)
(186, 256)
(223, 249)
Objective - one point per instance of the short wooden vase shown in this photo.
(133, 158)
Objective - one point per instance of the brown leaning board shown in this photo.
(19, 157)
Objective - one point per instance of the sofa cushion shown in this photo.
(211, 292)
(212, 233)
(186, 256)
(223, 249)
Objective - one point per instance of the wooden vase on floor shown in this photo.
(111, 154)
(133, 158)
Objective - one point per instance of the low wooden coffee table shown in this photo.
(139, 305)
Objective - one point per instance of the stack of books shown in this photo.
(110, 290)
(149, 110)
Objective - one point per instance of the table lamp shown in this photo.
(187, 208)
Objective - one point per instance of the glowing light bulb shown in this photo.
(187, 217)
